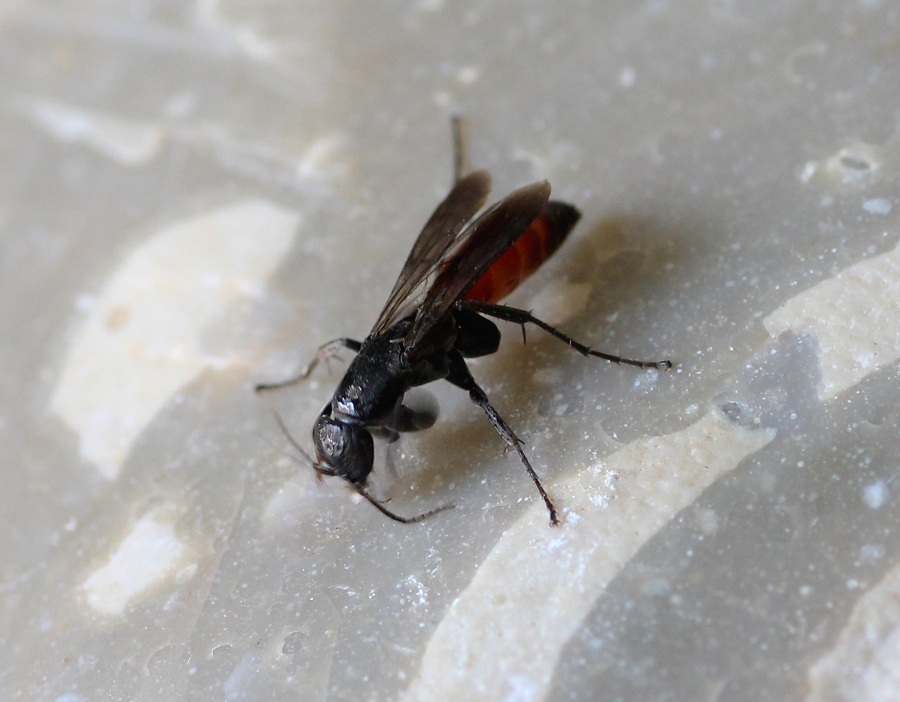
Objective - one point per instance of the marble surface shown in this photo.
(193, 196)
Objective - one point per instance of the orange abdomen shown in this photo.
(536, 244)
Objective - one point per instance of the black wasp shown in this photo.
(436, 317)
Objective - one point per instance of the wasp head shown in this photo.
(343, 449)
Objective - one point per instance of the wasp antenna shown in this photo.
(396, 517)
(292, 441)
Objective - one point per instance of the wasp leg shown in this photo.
(477, 335)
(523, 317)
(326, 351)
(461, 377)
(386, 434)
(419, 411)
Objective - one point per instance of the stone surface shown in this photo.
(193, 196)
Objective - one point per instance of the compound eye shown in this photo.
(329, 440)
(346, 448)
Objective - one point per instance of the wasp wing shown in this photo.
(437, 236)
(478, 247)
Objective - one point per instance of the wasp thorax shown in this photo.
(346, 448)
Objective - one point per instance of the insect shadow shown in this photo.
(439, 314)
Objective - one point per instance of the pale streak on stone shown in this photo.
(862, 664)
(129, 142)
(150, 553)
(503, 635)
(142, 337)
(854, 318)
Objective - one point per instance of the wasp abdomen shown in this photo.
(536, 244)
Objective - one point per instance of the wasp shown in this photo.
(439, 314)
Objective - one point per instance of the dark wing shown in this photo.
(438, 235)
(482, 243)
